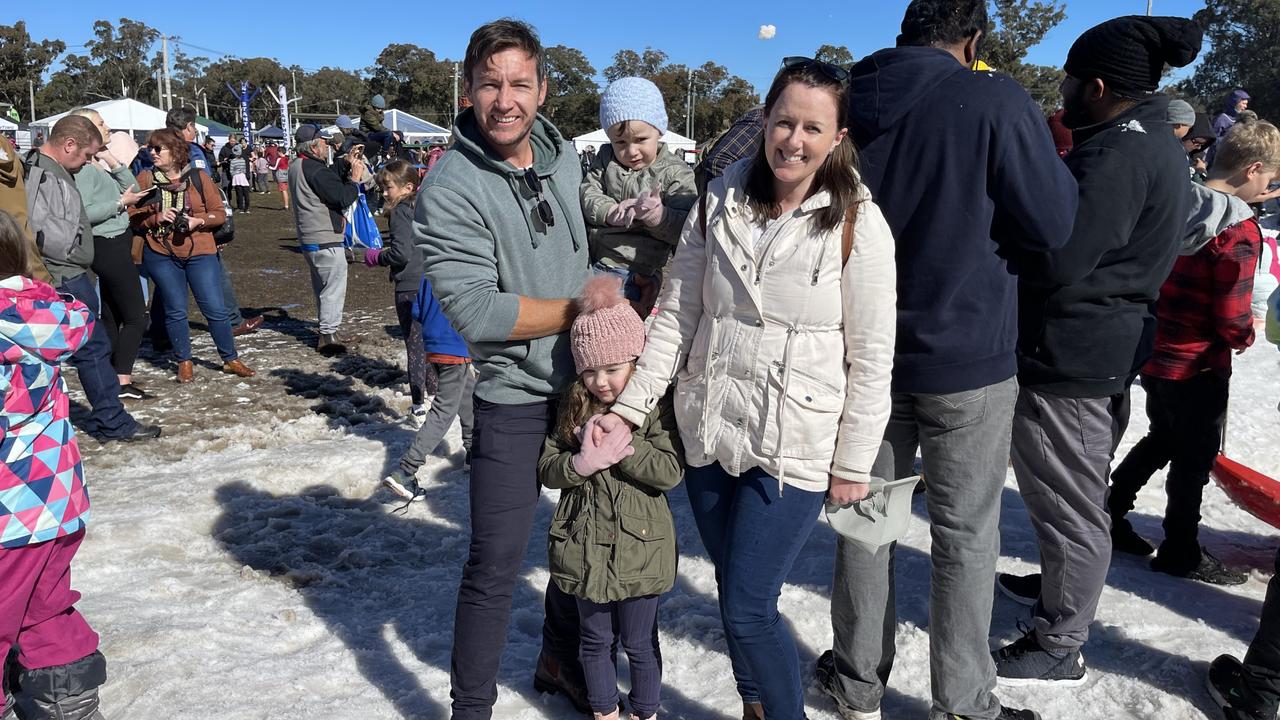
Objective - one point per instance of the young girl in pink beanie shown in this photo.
(612, 543)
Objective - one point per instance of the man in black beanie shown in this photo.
(1086, 326)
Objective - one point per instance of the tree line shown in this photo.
(124, 59)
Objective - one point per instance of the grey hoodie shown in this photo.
(1211, 213)
(483, 247)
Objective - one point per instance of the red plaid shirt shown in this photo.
(1204, 308)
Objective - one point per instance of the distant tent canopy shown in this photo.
(217, 129)
(598, 139)
(415, 129)
(271, 132)
(125, 115)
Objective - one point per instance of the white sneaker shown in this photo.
(418, 416)
(401, 485)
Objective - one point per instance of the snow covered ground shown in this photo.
(248, 566)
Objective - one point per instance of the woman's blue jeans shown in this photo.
(753, 535)
(203, 274)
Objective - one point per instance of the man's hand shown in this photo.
(843, 492)
(605, 453)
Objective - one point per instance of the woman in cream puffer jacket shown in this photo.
(739, 331)
(782, 355)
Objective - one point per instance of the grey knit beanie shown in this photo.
(633, 98)
(1180, 113)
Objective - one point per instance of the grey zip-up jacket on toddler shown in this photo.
(640, 249)
(484, 245)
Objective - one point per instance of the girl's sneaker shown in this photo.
(402, 484)
(418, 416)
(133, 392)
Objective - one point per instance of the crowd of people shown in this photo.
(894, 259)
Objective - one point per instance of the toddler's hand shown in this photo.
(649, 210)
(622, 214)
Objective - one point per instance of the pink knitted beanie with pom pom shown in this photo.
(607, 330)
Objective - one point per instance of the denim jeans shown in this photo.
(504, 498)
(753, 534)
(630, 290)
(633, 623)
(92, 361)
(229, 294)
(203, 274)
(964, 441)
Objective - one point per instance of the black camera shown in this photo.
(181, 223)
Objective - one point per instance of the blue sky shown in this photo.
(689, 32)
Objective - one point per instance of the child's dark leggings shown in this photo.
(634, 622)
(421, 379)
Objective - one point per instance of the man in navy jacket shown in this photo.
(965, 170)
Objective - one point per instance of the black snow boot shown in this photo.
(1206, 569)
(63, 692)
(1126, 540)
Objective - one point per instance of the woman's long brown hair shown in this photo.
(838, 174)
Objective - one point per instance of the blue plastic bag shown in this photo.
(360, 228)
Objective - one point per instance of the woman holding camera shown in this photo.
(177, 222)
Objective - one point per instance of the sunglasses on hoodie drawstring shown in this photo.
(534, 184)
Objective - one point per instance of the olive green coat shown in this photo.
(612, 536)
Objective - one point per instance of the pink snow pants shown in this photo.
(37, 610)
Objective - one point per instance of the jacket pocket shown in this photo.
(810, 416)
(690, 401)
(638, 553)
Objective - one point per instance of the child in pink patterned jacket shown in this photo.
(43, 503)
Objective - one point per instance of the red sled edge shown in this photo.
(1250, 489)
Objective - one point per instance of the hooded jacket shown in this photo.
(964, 168)
(1204, 311)
(319, 198)
(42, 493)
(400, 251)
(1085, 311)
(484, 246)
(1227, 118)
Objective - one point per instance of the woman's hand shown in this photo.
(168, 215)
(104, 155)
(130, 197)
(843, 492)
(195, 222)
(596, 455)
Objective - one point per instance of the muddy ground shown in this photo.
(271, 278)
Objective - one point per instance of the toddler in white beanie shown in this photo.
(636, 195)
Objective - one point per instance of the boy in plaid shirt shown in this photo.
(1202, 316)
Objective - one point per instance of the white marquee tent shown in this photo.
(125, 114)
(599, 139)
(415, 129)
(8, 125)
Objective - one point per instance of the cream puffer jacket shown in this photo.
(781, 360)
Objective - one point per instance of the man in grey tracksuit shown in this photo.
(505, 247)
(319, 197)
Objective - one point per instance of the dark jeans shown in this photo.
(241, 193)
(97, 376)
(1185, 433)
(124, 311)
(753, 534)
(201, 274)
(504, 498)
(1262, 662)
(634, 622)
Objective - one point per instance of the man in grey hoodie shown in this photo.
(504, 244)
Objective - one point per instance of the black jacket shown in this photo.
(402, 254)
(964, 168)
(1086, 311)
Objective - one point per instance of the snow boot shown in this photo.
(329, 346)
(403, 484)
(1124, 539)
(1022, 589)
(1207, 569)
(551, 676)
(829, 684)
(1229, 687)
(1026, 662)
(1007, 713)
(63, 692)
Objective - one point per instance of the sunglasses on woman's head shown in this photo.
(534, 183)
(832, 72)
